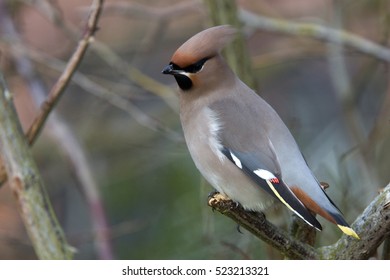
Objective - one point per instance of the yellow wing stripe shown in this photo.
(284, 202)
(349, 231)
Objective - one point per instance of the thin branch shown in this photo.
(258, 225)
(113, 60)
(75, 60)
(109, 96)
(316, 31)
(34, 205)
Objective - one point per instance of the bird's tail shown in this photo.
(349, 231)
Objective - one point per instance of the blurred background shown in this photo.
(113, 156)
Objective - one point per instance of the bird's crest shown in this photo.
(205, 44)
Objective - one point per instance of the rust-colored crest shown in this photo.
(207, 43)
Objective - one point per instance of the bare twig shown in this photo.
(108, 95)
(34, 205)
(61, 84)
(166, 93)
(316, 31)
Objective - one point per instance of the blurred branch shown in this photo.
(126, 105)
(157, 18)
(41, 223)
(166, 93)
(237, 54)
(290, 53)
(61, 84)
(142, 11)
(315, 31)
(257, 224)
(338, 68)
(373, 226)
(64, 136)
(95, 88)
(75, 154)
(341, 81)
(380, 127)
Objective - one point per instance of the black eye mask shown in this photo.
(193, 68)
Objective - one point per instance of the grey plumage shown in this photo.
(237, 140)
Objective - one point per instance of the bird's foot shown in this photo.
(212, 194)
(216, 197)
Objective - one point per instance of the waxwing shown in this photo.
(237, 140)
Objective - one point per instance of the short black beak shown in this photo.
(168, 69)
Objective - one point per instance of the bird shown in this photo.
(237, 140)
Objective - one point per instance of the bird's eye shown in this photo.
(196, 67)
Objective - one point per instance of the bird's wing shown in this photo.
(250, 150)
(253, 167)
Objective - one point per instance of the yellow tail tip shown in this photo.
(349, 231)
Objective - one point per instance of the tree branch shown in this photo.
(258, 225)
(34, 205)
(62, 82)
(113, 60)
(237, 54)
(316, 31)
(373, 226)
(61, 133)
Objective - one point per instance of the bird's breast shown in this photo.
(202, 130)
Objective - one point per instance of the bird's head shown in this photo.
(198, 62)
